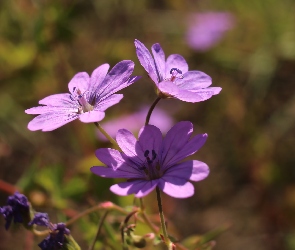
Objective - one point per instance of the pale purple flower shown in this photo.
(88, 99)
(152, 161)
(205, 30)
(133, 122)
(171, 76)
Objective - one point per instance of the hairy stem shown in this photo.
(107, 135)
(108, 206)
(163, 224)
(147, 120)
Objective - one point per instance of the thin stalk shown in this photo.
(109, 206)
(107, 135)
(147, 120)
(101, 221)
(163, 225)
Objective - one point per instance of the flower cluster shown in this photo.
(16, 210)
(148, 162)
(56, 238)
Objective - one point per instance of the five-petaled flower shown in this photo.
(172, 78)
(88, 99)
(152, 161)
(16, 210)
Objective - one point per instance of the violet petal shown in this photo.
(159, 57)
(51, 121)
(146, 60)
(175, 61)
(194, 80)
(189, 148)
(92, 116)
(97, 77)
(176, 187)
(80, 81)
(175, 140)
(116, 79)
(108, 102)
(124, 171)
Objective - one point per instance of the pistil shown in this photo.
(85, 106)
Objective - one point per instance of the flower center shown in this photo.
(84, 105)
(150, 167)
(175, 73)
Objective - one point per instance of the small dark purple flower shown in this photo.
(88, 99)
(152, 161)
(206, 29)
(40, 219)
(171, 76)
(56, 239)
(17, 209)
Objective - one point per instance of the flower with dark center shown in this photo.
(171, 76)
(152, 161)
(88, 99)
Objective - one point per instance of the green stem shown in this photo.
(147, 120)
(102, 219)
(163, 225)
(107, 135)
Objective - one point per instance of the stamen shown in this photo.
(154, 154)
(175, 71)
(146, 153)
(77, 95)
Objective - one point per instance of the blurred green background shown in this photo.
(250, 149)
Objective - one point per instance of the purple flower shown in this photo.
(205, 30)
(17, 209)
(40, 219)
(88, 99)
(152, 161)
(172, 77)
(134, 122)
(56, 238)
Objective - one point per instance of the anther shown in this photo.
(178, 71)
(154, 154)
(146, 153)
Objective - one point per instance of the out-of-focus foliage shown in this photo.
(250, 149)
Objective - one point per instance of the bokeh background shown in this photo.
(250, 150)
